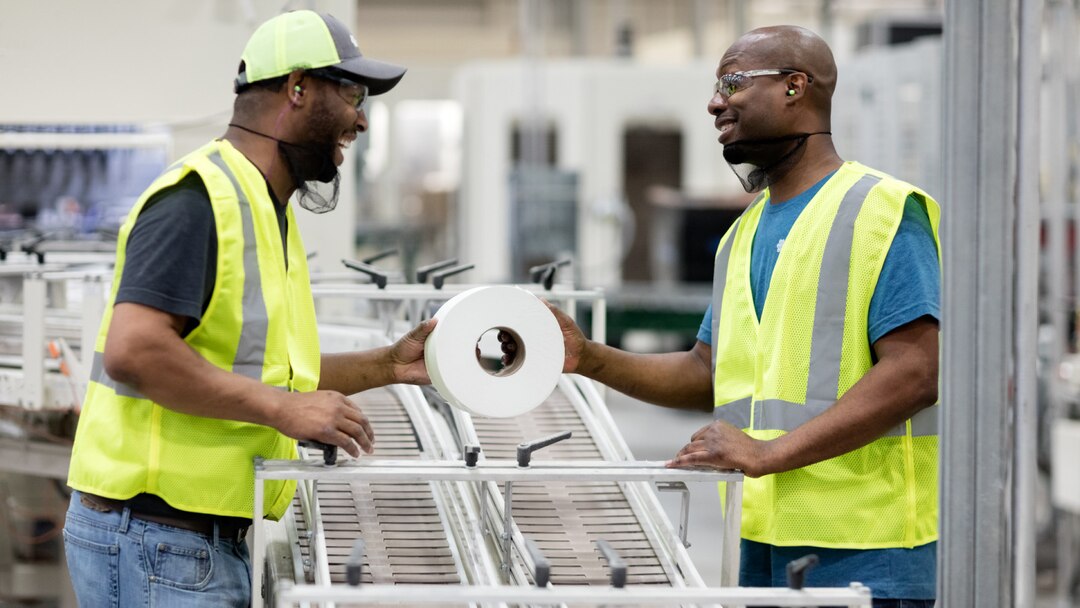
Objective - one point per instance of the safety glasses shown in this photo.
(354, 93)
(732, 83)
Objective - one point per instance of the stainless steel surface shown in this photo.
(414, 595)
(980, 323)
(569, 497)
(1026, 414)
(494, 470)
(403, 530)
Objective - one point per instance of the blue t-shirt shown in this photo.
(908, 288)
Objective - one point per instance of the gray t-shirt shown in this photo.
(171, 255)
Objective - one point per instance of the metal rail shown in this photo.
(412, 595)
(403, 471)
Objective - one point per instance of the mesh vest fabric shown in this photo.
(259, 322)
(809, 347)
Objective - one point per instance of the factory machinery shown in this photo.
(546, 508)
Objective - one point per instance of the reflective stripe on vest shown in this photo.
(827, 334)
(98, 374)
(252, 346)
(787, 416)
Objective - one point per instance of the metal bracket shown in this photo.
(684, 510)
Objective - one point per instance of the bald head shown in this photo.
(789, 46)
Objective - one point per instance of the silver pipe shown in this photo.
(638, 595)
(1027, 307)
(508, 520)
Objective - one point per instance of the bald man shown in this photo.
(819, 354)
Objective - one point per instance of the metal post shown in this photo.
(1057, 185)
(598, 333)
(730, 539)
(258, 543)
(983, 311)
(33, 346)
(508, 519)
(1026, 417)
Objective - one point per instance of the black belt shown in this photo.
(199, 523)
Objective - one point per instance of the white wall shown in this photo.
(163, 61)
(591, 102)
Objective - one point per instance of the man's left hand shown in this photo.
(720, 445)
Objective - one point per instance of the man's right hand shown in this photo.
(326, 416)
(573, 339)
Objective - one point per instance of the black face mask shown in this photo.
(753, 160)
(309, 162)
(306, 163)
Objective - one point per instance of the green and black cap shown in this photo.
(304, 40)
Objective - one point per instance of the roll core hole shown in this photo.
(490, 351)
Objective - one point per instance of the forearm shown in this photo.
(890, 393)
(350, 373)
(400, 363)
(677, 380)
(172, 374)
(145, 351)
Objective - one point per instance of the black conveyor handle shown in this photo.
(423, 271)
(615, 563)
(354, 566)
(541, 565)
(797, 569)
(526, 448)
(329, 452)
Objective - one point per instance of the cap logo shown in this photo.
(352, 39)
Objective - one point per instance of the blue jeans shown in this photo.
(898, 578)
(115, 560)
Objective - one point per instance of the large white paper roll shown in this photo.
(456, 372)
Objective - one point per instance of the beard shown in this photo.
(310, 162)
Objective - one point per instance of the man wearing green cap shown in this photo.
(208, 356)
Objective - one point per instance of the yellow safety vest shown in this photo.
(810, 346)
(260, 323)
